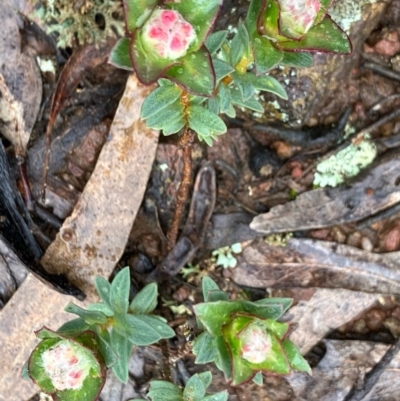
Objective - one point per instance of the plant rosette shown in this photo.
(67, 368)
(279, 29)
(243, 338)
(166, 39)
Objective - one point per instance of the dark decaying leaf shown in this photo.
(311, 264)
(78, 66)
(371, 191)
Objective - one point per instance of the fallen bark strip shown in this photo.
(371, 191)
(93, 238)
(317, 264)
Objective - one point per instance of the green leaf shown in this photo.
(73, 327)
(142, 329)
(25, 372)
(204, 348)
(213, 315)
(251, 103)
(252, 16)
(258, 379)
(206, 378)
(173, 127)
(194, 73)
(240, 45)
(283, 303)
(245, 85)
(203, 121)
(119, 56)
(164, 391)
(194, 390)
(145, 300)
(213, 105)
(120, 345)
(221, 396)
(224, 99)
(217, 295)
(221, 68)
(292, 59)
(268, 84)
(136, 11)
(324, 37)
(91, 317)
(159, 99)
(215, 40)
(266, 56)
(208, 284)
(101, 307)
(173, 114)
(201, 14)
(103, 289)
(104, 343)
(279, 329)
(296, 360)
(119, 292)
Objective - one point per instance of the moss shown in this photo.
(81, 21)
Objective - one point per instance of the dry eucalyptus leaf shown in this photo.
(370, 192)
(93, 238)
(20, 81)
(325, 311)
(345, 364)
(311, 264)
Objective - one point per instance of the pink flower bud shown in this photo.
(255, 343)
(167, 35)
(67, 365)
(298, 16)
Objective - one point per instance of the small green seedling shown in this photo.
(224, 256)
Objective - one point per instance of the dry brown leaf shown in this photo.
(370, 192)
(344, 364)
(325, 311)
(93, 238)
(310, 263)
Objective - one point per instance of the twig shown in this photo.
(185, 143)
(385, 72)
(373, 376)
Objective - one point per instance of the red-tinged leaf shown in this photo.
(325, 37)
(201, 14)
(148, 67)
(195, 73)
(119, 56)
(136, 11)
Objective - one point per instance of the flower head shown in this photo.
(255, 343)
(297, 17)
(166, 40)
(67, 365)
(166, 34)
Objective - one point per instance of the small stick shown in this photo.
(374, 374)
(185, 143)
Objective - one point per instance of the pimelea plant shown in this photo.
(202, 75)
(243, 339)
(70, 364)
